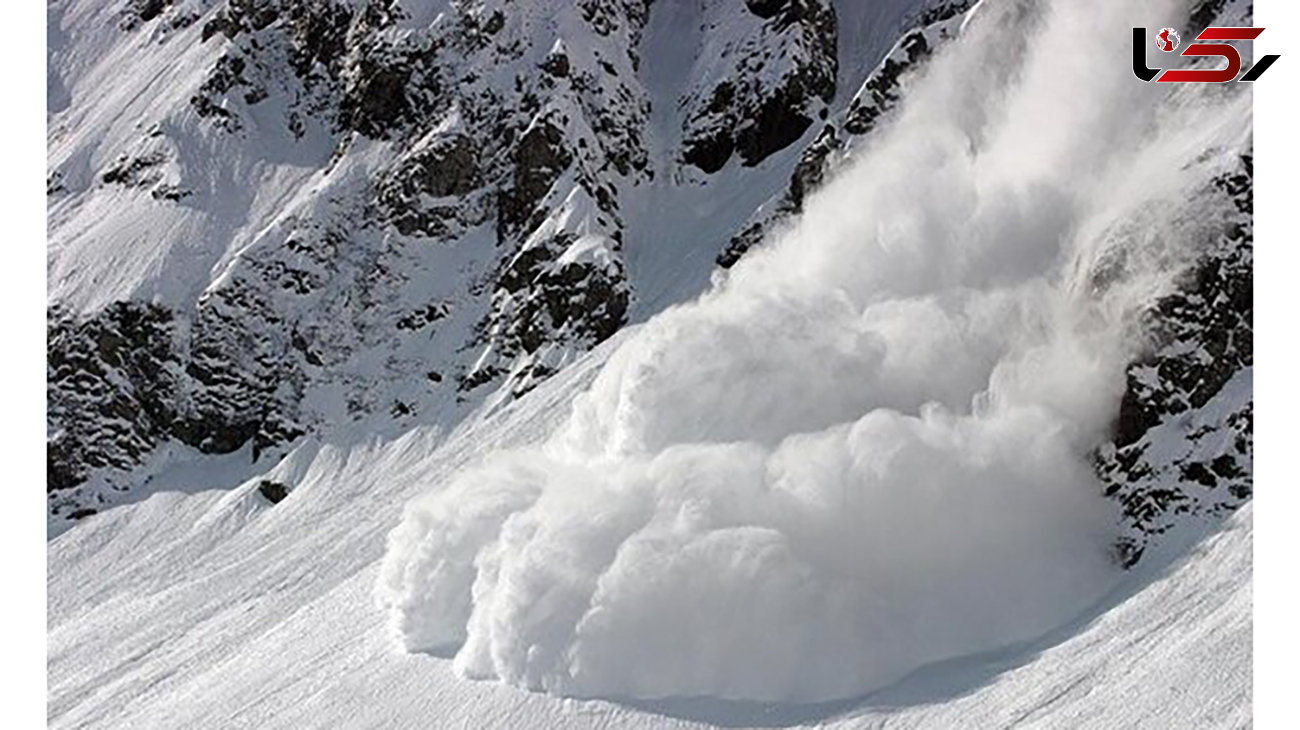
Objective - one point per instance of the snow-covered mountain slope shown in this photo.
(219, 609)
(325, 287)
(276, 219)
(869, 446)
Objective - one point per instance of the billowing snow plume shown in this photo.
(868, 448)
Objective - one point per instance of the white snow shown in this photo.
(853, 472)
(215, 610)
(864, 452)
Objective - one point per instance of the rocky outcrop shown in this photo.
(273, 492)
(561, 294)
(132, 377)
(149, 165)
(433, 191)
(878, 95)
(770, 82)
(540, 158)
(1183, 441)
(111, 386)
(883, 90)
(484, 121)
(809, 173)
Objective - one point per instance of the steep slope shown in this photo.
(217, 609)
(837, 429)
(431, 200)
(291, 218)
(867, 448)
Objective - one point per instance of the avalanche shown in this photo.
(867, 450)
(852, 484)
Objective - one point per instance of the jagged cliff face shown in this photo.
(1183, 443)
(273, 220)
(875, 97)
(376, 213)
(769, 73)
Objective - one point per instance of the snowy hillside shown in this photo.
(217, 609)
(300, 218)
(682, 363)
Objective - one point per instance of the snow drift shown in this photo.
(867, 449)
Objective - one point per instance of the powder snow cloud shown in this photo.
(866, 449)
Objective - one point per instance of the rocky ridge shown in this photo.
(1183, 445)
(463, 236)
(464, 233)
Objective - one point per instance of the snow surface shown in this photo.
(261, 201)
(928, 318)
(866, 450)
(215, 609)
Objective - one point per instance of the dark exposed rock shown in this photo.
(811, 170)
(311, 36)
(423, 317)
(808, 175)
(748, 112)
(882, 91)
(878, 95)
(274, 492)
(225, 76)
(445, 168)
(740, 243)
(54, 183)
(111, 386)
(540, 302)
(121, 382)
(150, 9)
(539, 159)
(1183, 443)
(134, 171)
(604, 16)
(173, 193)
(946, 10)
(507, 165)
(556, 64)
(1204, 14)
(143, 11)
(374, 99)
(775, 125)
(710, 153)
(766, 8)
